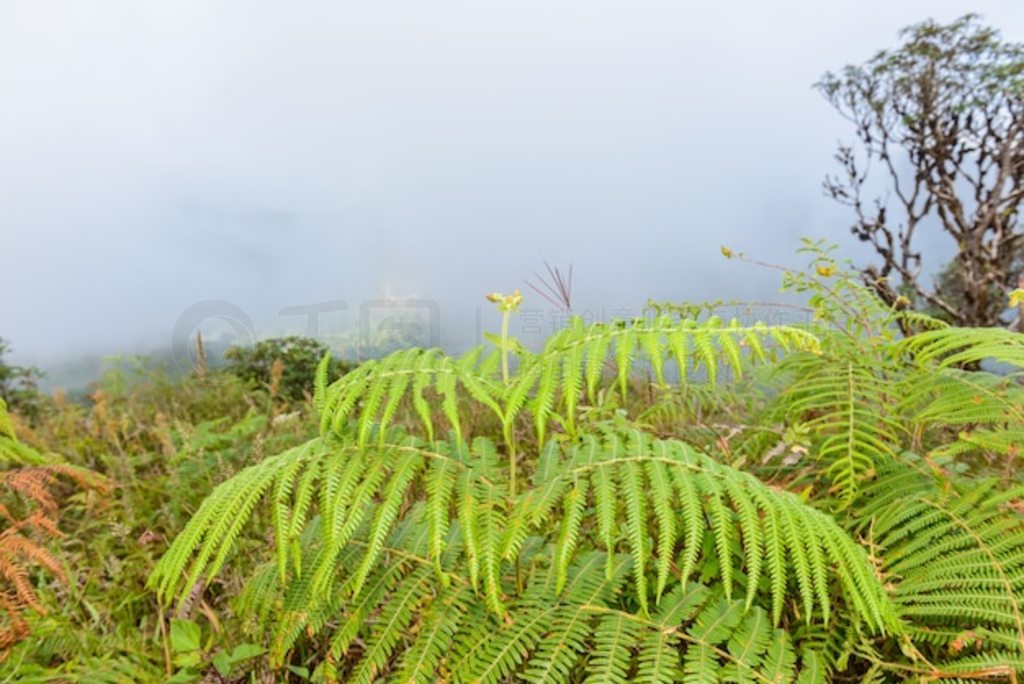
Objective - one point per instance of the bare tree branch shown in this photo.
(939, 125)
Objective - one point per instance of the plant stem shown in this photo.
(509, 440)
(166, 643)
(511, 446)
(504, 345)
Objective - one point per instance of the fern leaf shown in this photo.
(573, 508)
(391, 625)
(747, 646)
(779, 660)
(440, 487)
(721, 528)
(661, 500)
(658, 658)
(387, 514)
(614, 640)
(635, 500)
(320, 383)
(437, 629)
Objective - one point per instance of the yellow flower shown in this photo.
(1017, 297)
(506, 302)
(726, 252)
(826, 271)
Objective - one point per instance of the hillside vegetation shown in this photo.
(676, 498)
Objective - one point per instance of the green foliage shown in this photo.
(635, 485)
(186, 646)
(297, 359)
(957, 554)
(29, 517)
(19, 386)
(162, 442)
(571, 364)
(373, 519)
(670, 499)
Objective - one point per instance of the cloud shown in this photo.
(153, 155)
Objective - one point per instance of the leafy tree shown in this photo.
(939, 125)
(286, 364)
(19, 385)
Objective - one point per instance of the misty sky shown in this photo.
(157, 154)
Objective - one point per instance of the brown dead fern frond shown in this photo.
(13, 627)
(30, 488)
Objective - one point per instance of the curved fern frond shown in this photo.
(953, 397)
(987, 409)
(373, 392)
(747, 520)
(956, 558)
(465, 486)
(573, 360)
(695, 635)
(548, 384)
(951, 347)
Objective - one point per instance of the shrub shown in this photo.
(19, 386)
(296, 359)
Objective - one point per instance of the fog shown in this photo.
(155, 155)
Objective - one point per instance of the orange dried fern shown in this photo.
(29, 511)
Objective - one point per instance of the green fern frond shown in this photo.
(575, 358)
(437, 628)
(952, 347)
(373, 392)
(712, 626)
(320, 383)
(956, 557)
(748, 645)
(987, 408)
(615, 638)
(410, 521)
(953, 397)
(800, 542)
(841, 403)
